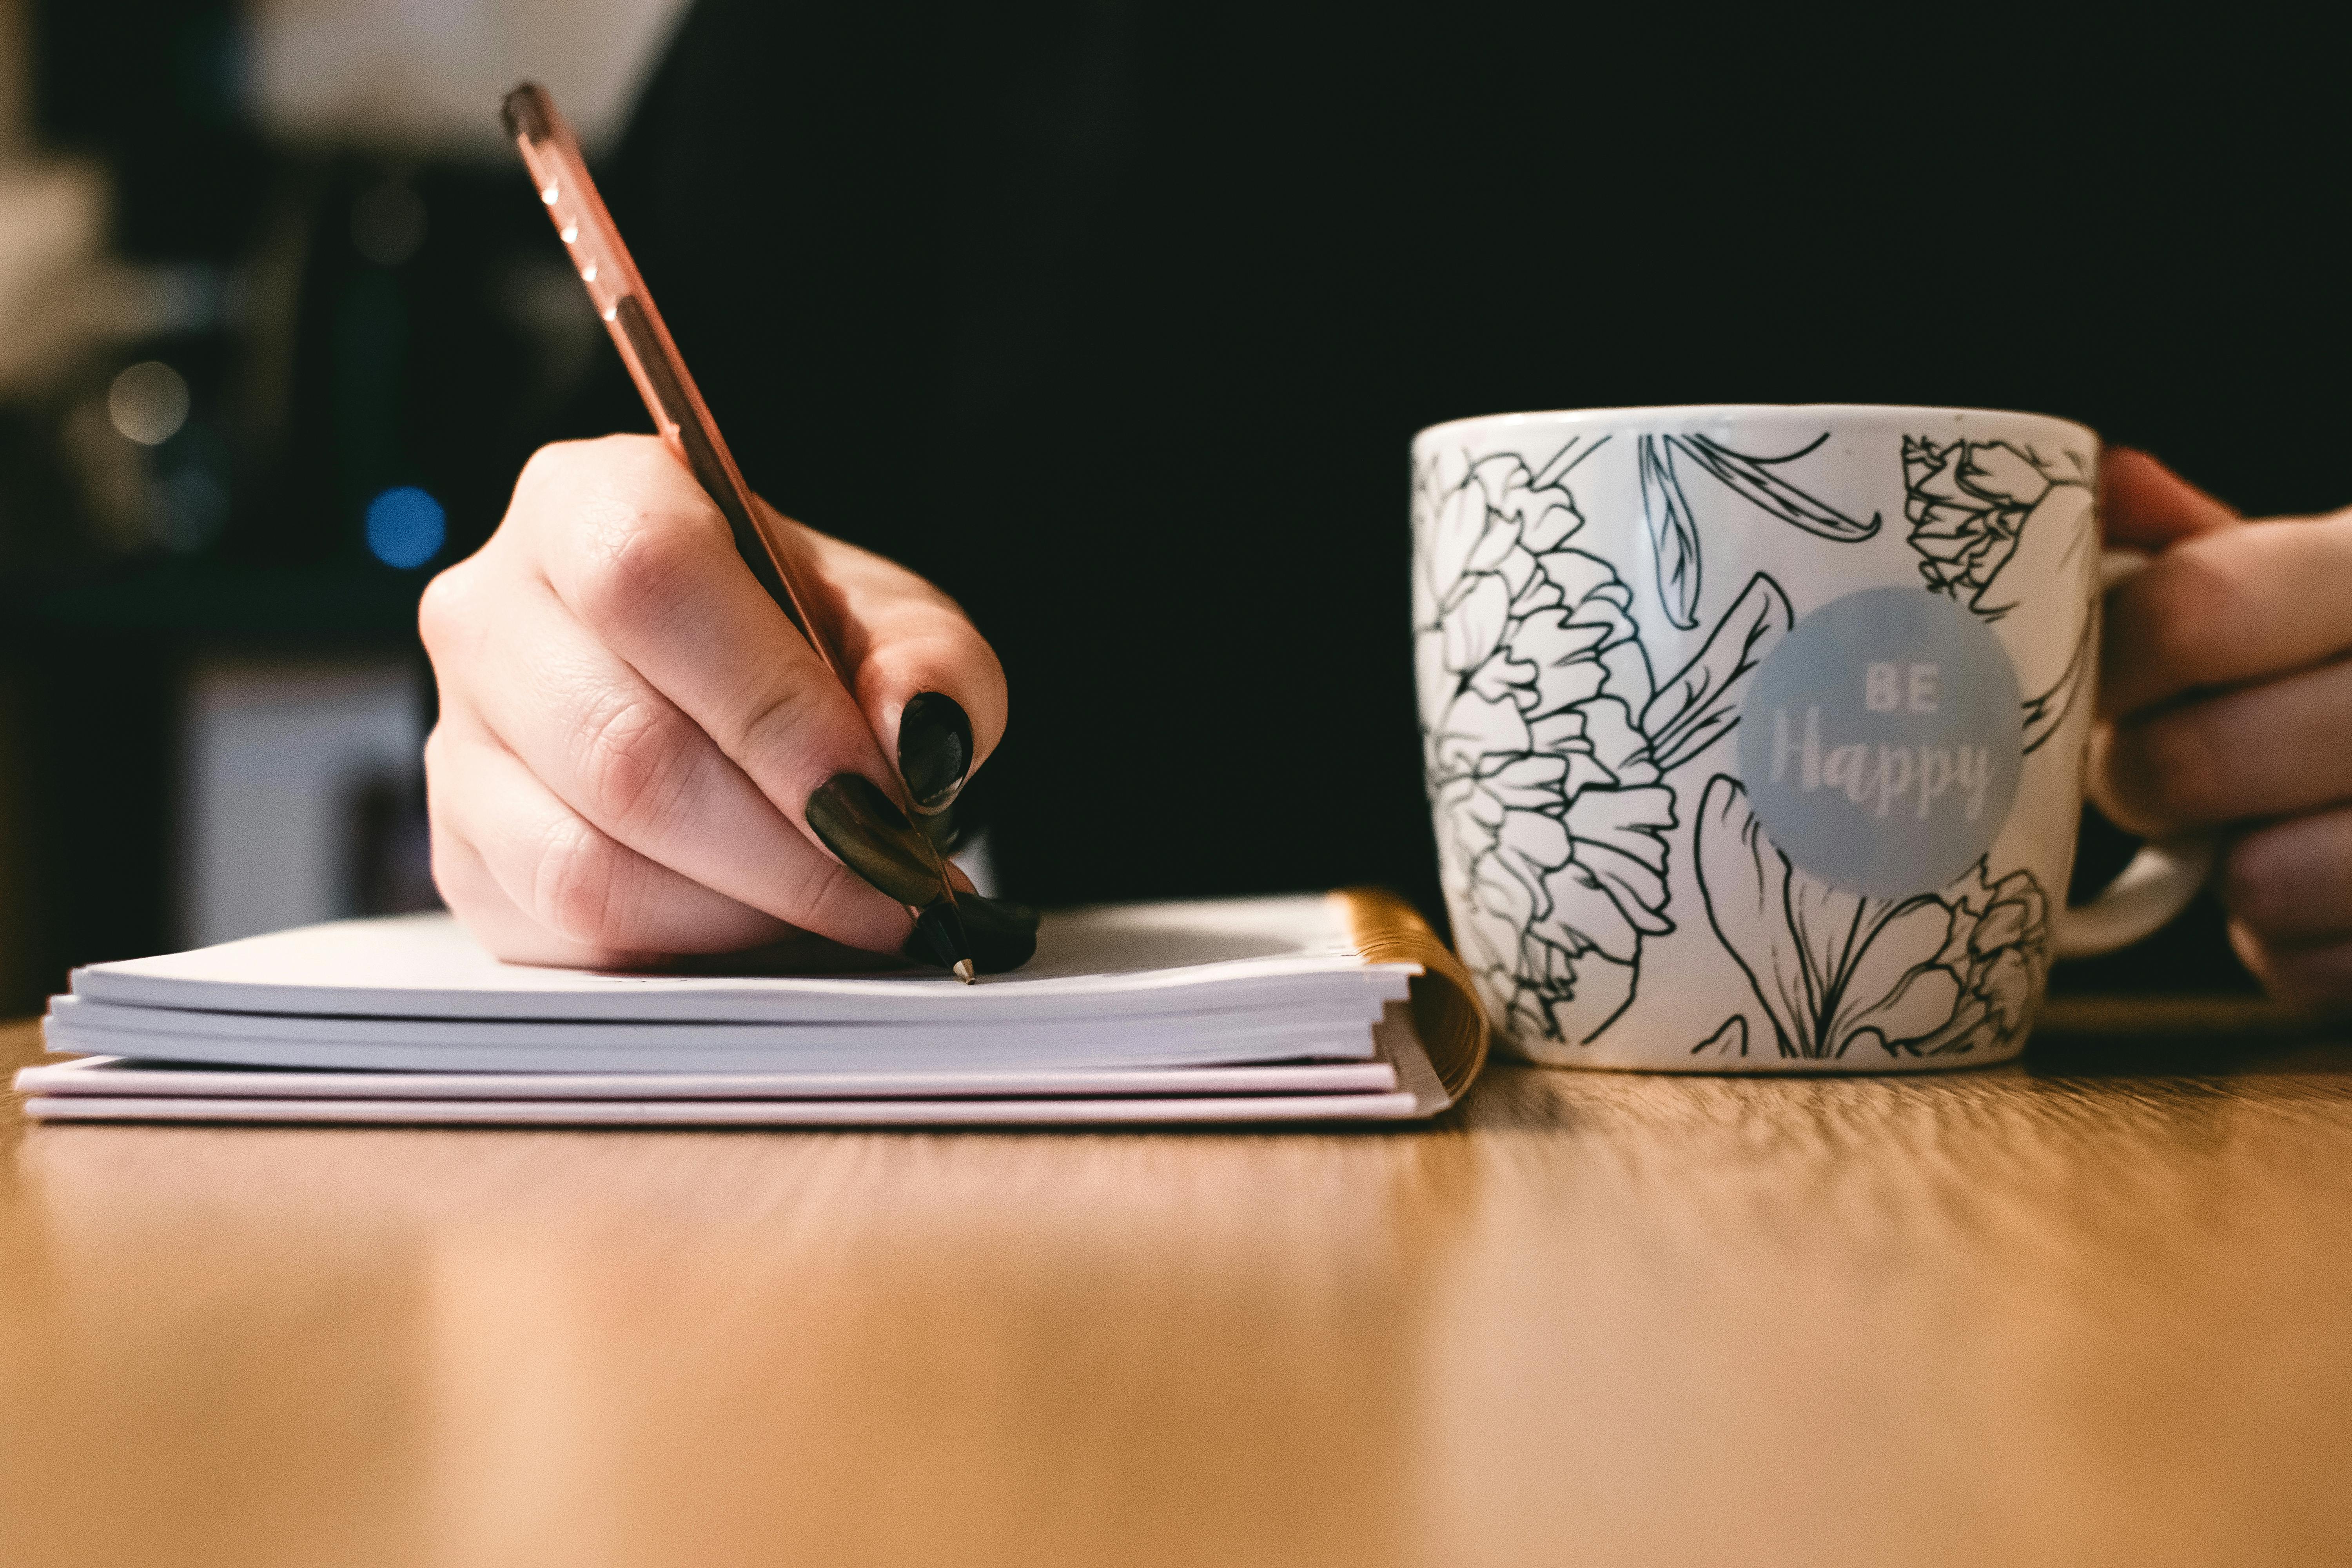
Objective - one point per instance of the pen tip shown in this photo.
(963, 970)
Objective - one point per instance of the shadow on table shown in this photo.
(2196, 1036)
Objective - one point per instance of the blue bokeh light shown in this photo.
(404, 527)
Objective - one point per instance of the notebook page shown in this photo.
(407, 1045)
(1127, 961)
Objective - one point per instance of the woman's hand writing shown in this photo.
(633, 740)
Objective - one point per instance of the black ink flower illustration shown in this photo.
(1836, 969)
(2049, 709)
(1971, 504)
(1673, 530)
(1729, 1039)
(1989, 518)
(1546, 738)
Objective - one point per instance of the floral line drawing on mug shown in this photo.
(1550, 777)
(1973, 507)
(1594, 811)
(1673, 527)
(1835, 970)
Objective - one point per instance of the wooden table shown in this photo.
(2076, 1312)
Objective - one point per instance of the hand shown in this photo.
(2225, 703)
(632, 732)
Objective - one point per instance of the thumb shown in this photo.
(2147, 506)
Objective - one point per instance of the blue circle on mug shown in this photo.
(1882, 741)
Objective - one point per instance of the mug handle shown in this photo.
(2161, 878)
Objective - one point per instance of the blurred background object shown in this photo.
(274, 337)
(414, 77)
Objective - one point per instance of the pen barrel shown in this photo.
(634, 333)
(624, 305)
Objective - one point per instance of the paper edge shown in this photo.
(1395, 1107)
(90, 1077)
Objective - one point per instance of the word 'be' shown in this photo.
(1891, 773)
(1885, 689)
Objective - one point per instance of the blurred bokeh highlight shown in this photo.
(274, 336)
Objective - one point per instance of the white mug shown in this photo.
(1755, 735)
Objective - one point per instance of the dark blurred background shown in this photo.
(279, 321)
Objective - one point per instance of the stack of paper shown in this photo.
(1253, 1010)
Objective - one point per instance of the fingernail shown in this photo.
(1003, 934)
(934, 748)
(851, 817)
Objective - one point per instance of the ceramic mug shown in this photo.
(1755, 735)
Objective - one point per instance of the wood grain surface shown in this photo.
(2095, 1309)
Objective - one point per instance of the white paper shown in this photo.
(1095, 965)
(1417, 1094)
(112, 1076)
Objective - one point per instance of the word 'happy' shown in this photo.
(1864, 770)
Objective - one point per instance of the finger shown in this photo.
(926, 680)
(483, 906)
(2144, 505)
(2256, 600)
(646, 564)
(592, 899)
(624, 758)
(2261, 751)
(2290, 882)
(492, 919)
(2318, 978)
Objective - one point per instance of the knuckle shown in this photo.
(2189, 604)
(459, 873)
(638, 567)
(2172, 772)
(2255, 882)
(776, 718)
(578, 885)
(831, 900)
(542, 464)
(444, 611)
(823, 895)
(634, 764)
(553, 464)
(435, 754)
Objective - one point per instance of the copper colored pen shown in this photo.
(553, 155)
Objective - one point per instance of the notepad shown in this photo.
(1325, 1007)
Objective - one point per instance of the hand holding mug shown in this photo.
(2225, 705)
(1755, 735)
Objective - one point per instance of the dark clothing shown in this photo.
(1115, 321)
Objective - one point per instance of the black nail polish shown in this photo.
(934, 748)
(1003, 934)
(851, 817)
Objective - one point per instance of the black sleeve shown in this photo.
(774, 186)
